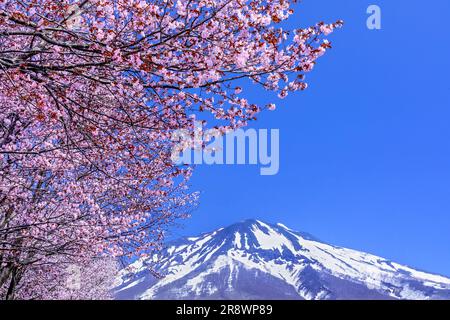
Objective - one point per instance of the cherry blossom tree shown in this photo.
(91, 92)
(92, 280)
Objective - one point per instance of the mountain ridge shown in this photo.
(252, 259)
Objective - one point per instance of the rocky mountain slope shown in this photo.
(257, 260)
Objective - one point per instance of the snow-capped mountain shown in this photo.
(257, 260)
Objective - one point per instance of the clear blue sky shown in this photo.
(365, 151)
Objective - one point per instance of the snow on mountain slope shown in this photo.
(257, 260)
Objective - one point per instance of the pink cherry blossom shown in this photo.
(90, 94)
